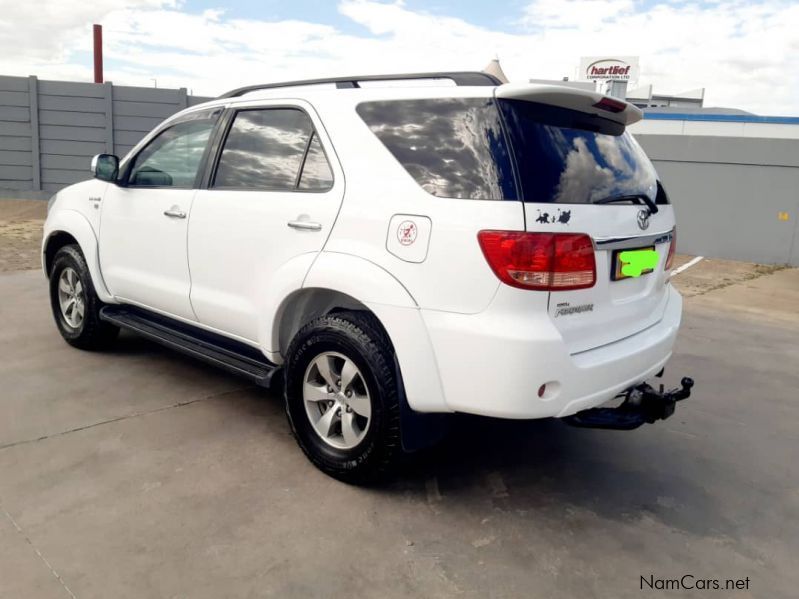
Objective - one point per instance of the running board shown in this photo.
(219, 351)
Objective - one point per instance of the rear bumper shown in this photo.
(493, 363)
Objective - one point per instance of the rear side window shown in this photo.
(568, 157)
(269, 149)
(452, 147)
(316, 175)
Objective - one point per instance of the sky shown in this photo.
(743, 53)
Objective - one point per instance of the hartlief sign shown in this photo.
(606, 68)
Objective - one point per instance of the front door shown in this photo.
(144, 222)
(270, 205)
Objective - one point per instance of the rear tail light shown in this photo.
(672, 250)
(542, 261)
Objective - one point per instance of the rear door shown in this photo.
(568, 164)
(270, 204)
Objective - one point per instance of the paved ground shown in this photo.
(142, 474)
(139, 473)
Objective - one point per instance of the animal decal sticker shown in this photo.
(562, 217)
(406, 232)
(408, 237)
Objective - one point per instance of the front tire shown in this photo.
(75, 305)
(342, 400)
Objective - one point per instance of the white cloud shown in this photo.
(32, 31)
(585, 15)
(742, 52)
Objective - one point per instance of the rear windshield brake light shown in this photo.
(611, 105)
(540, 261)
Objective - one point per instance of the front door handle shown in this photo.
(175, 212)
(305, 225)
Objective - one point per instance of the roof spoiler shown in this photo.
(574, 99)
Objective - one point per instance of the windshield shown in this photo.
(568, 157)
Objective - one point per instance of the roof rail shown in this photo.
(460, 78)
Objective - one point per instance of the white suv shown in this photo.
(388, 249)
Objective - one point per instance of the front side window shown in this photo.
(173, 157)
(452, 147)
(273, 149)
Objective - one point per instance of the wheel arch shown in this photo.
(304, 305)
(67, 227)
(54, 242)
(338, 282)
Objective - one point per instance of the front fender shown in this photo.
(74, 223)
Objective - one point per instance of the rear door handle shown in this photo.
(305, 225)
(175, 212)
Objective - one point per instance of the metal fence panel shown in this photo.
(13, 84)
(50, 129)
(735, 197)
(16, 157)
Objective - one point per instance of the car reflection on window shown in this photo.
(452, 147)
(316, 175)
(600, 166)
(568, 157)
(264, 149)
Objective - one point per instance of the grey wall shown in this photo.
(16, 144)
(49, 130)
(728, 193)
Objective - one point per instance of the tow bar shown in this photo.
(642, 404)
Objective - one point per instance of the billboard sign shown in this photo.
(608, 68)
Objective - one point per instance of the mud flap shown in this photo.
(418, 430)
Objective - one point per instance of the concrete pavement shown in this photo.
(139, 473)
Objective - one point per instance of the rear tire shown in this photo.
(75, 305)
(342, 400)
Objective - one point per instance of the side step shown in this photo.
(230, 355)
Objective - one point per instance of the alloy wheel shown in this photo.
(337, 400)
(71, 297)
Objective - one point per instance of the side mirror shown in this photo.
(105, 167)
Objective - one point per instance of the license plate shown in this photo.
(633, 263)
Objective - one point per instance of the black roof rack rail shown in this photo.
(460, 78)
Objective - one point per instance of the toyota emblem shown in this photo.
(643, 219)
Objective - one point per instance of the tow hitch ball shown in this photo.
(642, 404)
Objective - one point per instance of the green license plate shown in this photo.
(633, 263)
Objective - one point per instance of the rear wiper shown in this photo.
(638, 198)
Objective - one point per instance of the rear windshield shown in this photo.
(458, 148)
